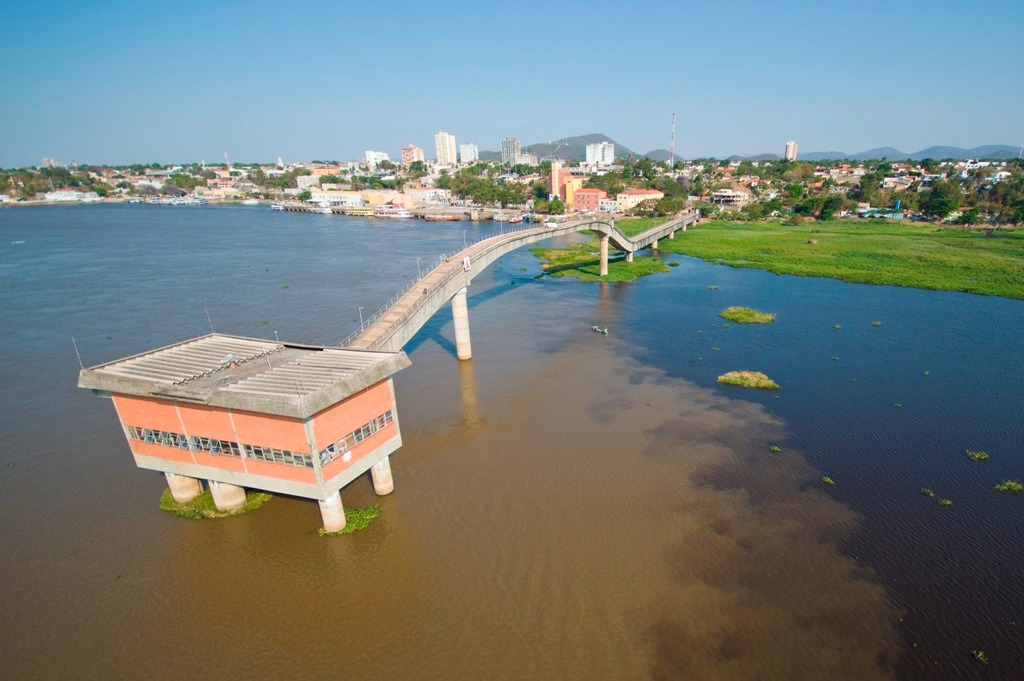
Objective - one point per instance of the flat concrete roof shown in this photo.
(249, 374)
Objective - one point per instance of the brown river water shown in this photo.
(567, 505)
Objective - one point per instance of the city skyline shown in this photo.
(121, 83)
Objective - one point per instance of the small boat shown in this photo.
(600, 330)
(277, 206)
(321, 210)
(251, 202)
(391, 212)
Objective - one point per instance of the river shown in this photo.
(567, 505)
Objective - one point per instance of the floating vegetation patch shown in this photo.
(827, 480)
(876, 323)
(355, 519)
(945, 502)
(712, 288)
(924, 373)
(746, 315)
(776, 448)
(203, 507)
(837, 327)
(673, 264)
(748, 379)
(1010, 486)
(976, 456)
(927, 492)
(898, 405)
(980, 656)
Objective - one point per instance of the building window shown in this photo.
(342, 446)
(218, 447)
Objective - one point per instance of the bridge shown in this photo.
(394, 325)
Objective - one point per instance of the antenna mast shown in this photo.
(672, 150)
(226, 161)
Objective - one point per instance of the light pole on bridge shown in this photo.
(464, 245)
(418, 270)
(360, 319)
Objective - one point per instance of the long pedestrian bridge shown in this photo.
(394, 325)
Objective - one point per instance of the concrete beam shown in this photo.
(604, 255)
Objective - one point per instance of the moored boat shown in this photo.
(391, 212)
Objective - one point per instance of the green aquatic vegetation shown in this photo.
(583, 262)
(748, 379)
(203, 507)
(924, 373)
(980, 656)
(876, 323)
(827, 480)
(976, 456)
(673, 264)
(776, 448)
(746, 315)
(868, 252)
(945, 502)
(927, 492)
(355, 519)
(1010, 486)
(712, 288)
(835, 359)
(837, 327)
(714, 349)
(633, 226)
(898, 405)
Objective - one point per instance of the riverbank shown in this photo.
(867, 252)
(860, 251)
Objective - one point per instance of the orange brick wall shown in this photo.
(270, 431)
(337, 421)
(147, 412)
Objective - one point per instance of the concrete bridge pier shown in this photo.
(604, 256)
(227, 497)
(629, 256)
(654, 245)
(183, 488)
(460, 315)
(333, 513)
(383, 483)
(672, 234)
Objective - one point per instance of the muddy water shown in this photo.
(565, 507)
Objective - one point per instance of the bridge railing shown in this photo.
(441, 260)
(561, 228)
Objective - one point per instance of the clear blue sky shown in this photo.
(119, 82)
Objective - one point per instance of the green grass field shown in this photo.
(869, 252)
(633, 226)
(583, 261)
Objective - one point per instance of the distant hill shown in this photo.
(575, 149)
(997, 151)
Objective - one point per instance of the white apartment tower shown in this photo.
(375, 157)
(510, 151)
(468, 153)
(601, 153)
(445, 144)
(790, 150)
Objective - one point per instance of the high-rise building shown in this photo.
(510, 151)
(468, 153)
(375, 157)
(601, 153)
(555, 182)
(445, 145)
(411, 154)
(790, 150)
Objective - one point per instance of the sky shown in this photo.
(115, 82)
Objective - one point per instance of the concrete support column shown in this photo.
(654, 245)
(333, 513)
(183, 488)
(604, 256)
(629, 257)
(383, 483)
(460, 315)
(672, 234)
(227, 497)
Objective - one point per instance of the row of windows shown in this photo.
(342, 446)
(218, 447)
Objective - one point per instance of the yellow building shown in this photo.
(571, 185)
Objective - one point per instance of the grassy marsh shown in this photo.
(867, 251)
(583, 261)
